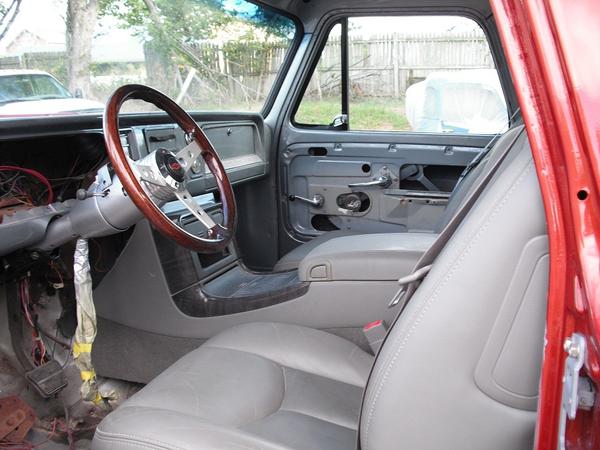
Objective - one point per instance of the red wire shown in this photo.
(36, 339)
(36, 174)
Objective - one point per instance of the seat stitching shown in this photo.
(318, 418)
(426, 307)
(284, 382)
(451, 266)
(249, 352)
(143, 441)
(147, 442)
(283, 368)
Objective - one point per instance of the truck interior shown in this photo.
(220, 279)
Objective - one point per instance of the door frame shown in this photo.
(551, 67)
(308, 56)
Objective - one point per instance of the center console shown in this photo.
(209, 285)
(367, 257)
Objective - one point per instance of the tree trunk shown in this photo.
(81, 21)
(10, 14)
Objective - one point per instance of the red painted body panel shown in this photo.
(553, 48)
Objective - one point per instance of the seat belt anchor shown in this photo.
(405, 283)
(397, 297)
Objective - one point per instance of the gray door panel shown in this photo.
(422, 176)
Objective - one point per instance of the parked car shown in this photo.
(33, 92)
(465, 101)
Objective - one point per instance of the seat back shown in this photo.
(460, 367)
(465, 186)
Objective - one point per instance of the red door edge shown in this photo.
(553, 50)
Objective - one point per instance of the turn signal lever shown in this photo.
(316, 202)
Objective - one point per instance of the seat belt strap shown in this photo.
(410, 283)
(485, 151)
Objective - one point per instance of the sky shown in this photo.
(408, 24)
(46, 19)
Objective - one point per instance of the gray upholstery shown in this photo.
(243, 389)
(428, 380)
(390, 256)
(292, 259)
(458, 370)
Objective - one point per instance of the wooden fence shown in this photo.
(384, 66)
(380, 66)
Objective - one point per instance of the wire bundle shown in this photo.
(24, 186)
(38, 350)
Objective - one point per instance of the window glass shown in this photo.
(322, 101)
(417, 73)
(46, 86)
(206, 54)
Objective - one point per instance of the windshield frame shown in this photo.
(289, 57)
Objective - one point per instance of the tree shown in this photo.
(81, 21)
(174, 32)
(8, 14)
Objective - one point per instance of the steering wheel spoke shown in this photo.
(188, 156)
(162, 174)
(203, 217)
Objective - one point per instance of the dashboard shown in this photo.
(64, 155)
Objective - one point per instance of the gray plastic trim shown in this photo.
(512, 343)
(27, 227)
(368, 257)
(135, 293)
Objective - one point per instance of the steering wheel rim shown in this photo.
(139, 188)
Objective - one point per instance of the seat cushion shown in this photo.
(291, 260)
(259, 385)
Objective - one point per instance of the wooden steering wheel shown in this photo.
(163, 175)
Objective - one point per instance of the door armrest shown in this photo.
(366, 257)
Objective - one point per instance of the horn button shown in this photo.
(169, 166)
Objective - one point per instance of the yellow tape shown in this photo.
(87, 375)
(81, 347)
(98, 399)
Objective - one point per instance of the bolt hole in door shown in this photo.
(366, 168)
(582, 194)
(321, 222)
(317, 151)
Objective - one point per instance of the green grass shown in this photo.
(371, 114)
(365, 114)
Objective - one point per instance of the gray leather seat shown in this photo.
(243, 388)
(458, 370)
(292, 259)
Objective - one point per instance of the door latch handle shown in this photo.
(316, 202)
(382, 181)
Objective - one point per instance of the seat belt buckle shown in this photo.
(375, 333)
